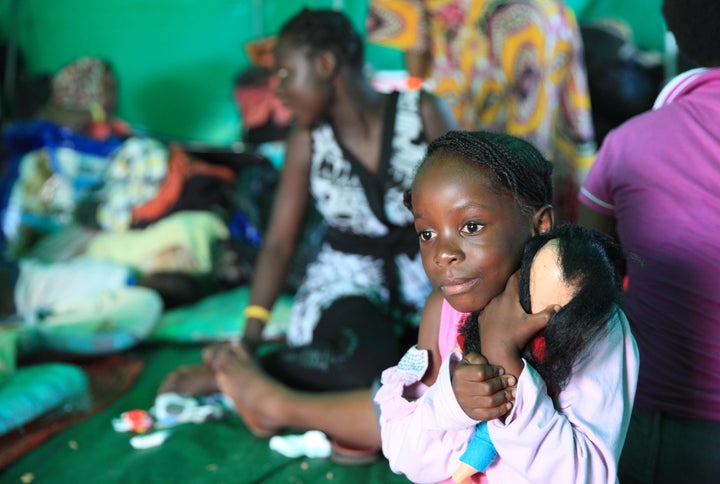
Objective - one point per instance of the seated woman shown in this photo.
(351, 153)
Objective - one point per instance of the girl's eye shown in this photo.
(471, 227)
(425, 235)
(282, 73)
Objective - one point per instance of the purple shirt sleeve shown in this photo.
(596, 192)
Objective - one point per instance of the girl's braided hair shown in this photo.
(516, 164)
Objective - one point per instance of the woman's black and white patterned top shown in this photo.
(370, 248)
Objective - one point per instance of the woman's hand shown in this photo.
(484, 391)
(505, 328)
(252, 336)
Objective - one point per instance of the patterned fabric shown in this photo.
(365, 212)
(83, 83)
(51, 171)
(397, 24)
(512, 66)
(136, 172)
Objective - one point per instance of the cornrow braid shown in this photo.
(325, 29)
(516, 164)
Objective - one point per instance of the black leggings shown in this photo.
(353, 342)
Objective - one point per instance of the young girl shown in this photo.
(477, 199)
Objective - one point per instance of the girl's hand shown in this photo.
(483, 391)
(505, 328)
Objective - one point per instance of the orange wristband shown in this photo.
(414, 83)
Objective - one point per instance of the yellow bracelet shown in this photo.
(257, 312)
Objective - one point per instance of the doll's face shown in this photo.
(547, 286)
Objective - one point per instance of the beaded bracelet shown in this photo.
(257, 312)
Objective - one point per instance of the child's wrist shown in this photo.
(509, 359)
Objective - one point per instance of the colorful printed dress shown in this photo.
(513, 66)
(370, 248)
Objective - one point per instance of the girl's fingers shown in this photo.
(477, 368)
(494, 407)
(534, 323)
(475, 359)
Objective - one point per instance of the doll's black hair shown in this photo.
(591, 261)
(325, 29)
(515, 163)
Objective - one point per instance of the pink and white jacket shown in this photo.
(577, 439)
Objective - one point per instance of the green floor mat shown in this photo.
(214, 452)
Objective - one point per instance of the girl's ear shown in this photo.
(544, 219)
(326, 64)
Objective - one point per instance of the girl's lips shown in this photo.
(457, 286)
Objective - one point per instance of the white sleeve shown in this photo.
(423, 438)
(581, 438)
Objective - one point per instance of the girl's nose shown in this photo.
(447, 253)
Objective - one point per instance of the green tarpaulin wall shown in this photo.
(176, 59)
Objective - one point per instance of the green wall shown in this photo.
(644, 17)
(176, 59)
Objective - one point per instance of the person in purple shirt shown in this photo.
(656, 186)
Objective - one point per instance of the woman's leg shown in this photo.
(268, 406)
(353, 342)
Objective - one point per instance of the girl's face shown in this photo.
(300, 85)
(471, 235)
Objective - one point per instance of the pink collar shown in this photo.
(685, 83)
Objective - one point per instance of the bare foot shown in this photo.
(190, 380)
(255, 396)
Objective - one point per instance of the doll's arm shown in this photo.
(477, 457)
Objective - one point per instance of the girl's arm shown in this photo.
(579, 439)
(505, 328)
(281, 236)
(424, 430)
